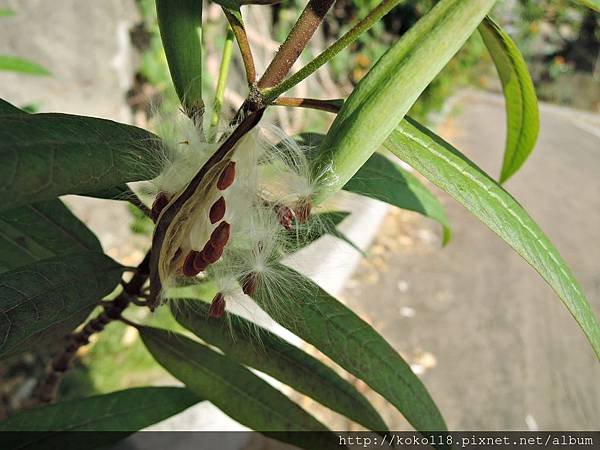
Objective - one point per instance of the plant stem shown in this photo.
(381, 10)
(135, 201)
(221, 84)
(129, 322)
(48, 387)
(299, 36)
(244, 45)
(332, 106)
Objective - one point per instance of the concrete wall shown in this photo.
(84, 44)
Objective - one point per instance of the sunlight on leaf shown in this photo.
(234, 389)
(391, 87)
(522, 115)
(319, 319)
(256, 347)
(450, 170)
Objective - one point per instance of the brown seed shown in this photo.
(286, 216)
(159, 204)
(250, 283)
(217, 210)
(200, 263)
(188, 268)
(217, 307)
(302, 210)
(220, 235)
(210, 253)
(227, 176)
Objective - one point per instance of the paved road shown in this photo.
(497, 348)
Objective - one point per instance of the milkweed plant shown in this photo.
(231, 198)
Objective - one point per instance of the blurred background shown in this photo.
(495, 347)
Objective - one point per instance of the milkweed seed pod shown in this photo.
(238, 222)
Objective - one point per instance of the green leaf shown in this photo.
(592, 4)
(115, 192)
(180, 24)
(119, 192)
(5, 12)
(387, 92)
(522, 115)
(256, 347)
(15, 64)
(49, 298)
(450, 170)
(381, 179)
(39, 231)
(43, 156)
(110, 417)
(319, 319)
(7, 108)
(234, 389)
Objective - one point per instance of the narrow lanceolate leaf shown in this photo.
(321, 320)
(381, 179)
(43, 156)
(14, 64)
(47, 299)
(180, 24)
(121, 413)
(234, 389)
(7, 108)
(387, 92)
(256, 347)
(522, 115)
(447, 168)
(40, 231)
(592, 4)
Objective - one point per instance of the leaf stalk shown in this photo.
(332, 106)
(306, 25)
(244, 45)
(221, 84)
(357, 30)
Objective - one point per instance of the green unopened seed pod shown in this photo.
(383, 97)
(180, 23)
